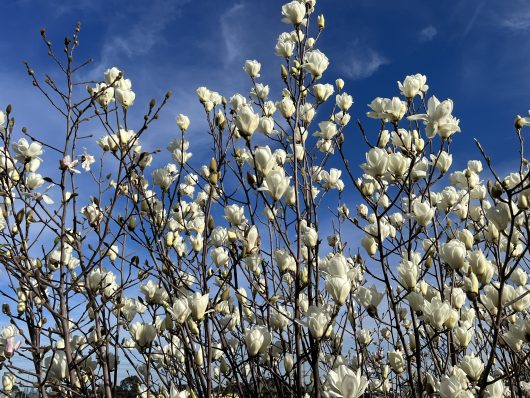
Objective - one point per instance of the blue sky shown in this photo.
(473, 51)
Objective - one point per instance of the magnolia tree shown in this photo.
(244, 276)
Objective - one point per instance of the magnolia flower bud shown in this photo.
(321, 22)
(199, 357)
(304, 276)
(193, 327)
(220, 120)
(8, 382)
(288, 362)
(197, 242)
(339, 83)
(369, 244)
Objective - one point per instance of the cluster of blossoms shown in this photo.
(244, 276)
(114, 88)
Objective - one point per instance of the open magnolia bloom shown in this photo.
(344, 382)
(270, 263)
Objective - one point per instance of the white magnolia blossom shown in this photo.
(103, 93)
(413, 85)
(285, 45)
(436, 312)
(454, 253)
(198, 303)
(316, 63)
(343, 382)
(423, 213)
(327, 131)
(243, 269)
(387, 109)
(408, 273)
(276, 184)
(438, 119)
(395, 359)
(318, 321)
(293, 12)
(339, 288)
(252, 68)
(247, 121)
(26, 151)
(344, 101)
(183, 122)
(286, 107)
(257, 340)
(143, 334)
(376, 162)
(473, 366)
(323, 91)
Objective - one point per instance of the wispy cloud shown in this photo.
(428, 33)
(364, 62)
(473, 19)
(68, 7)
(140, 37)
(517, 22)
(231, 32)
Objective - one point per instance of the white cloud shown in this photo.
(518, 22)
(232, 33)
(364, 63)
(428, 33)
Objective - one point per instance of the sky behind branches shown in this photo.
(473, 51)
